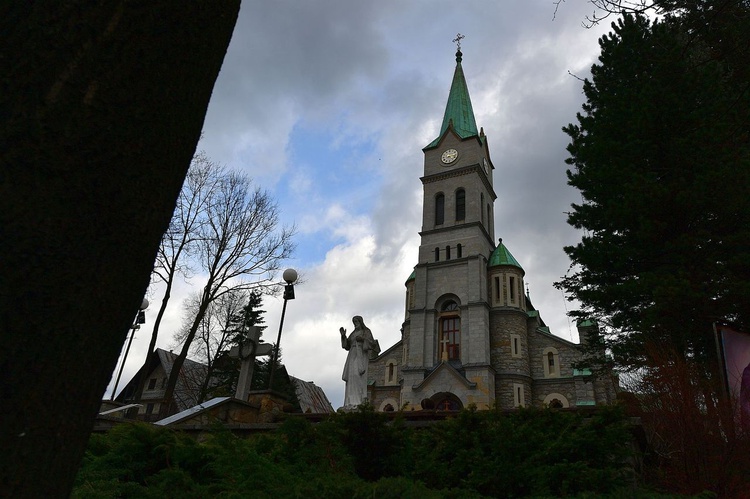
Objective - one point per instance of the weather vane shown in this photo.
(458, 39)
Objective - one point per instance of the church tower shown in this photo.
(446, 337)
(471, 336)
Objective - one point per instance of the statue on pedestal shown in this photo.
(361, 347)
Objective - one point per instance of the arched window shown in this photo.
(460, 204)
(458, 250)
(450, 332)
(391, 372)
(439, 209)
(556, 401)
(551, 361)
(444, 401)
(447, 252)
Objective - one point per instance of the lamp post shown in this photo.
(290, 276)
(140, 318)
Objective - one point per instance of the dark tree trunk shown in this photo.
(102, 106)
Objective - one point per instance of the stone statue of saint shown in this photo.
(361, 347)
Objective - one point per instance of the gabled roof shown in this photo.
(444, 367)
(459, 115)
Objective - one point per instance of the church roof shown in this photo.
(458, 111)
(501, 256)
(413, 275)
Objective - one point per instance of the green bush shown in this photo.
(539, 453)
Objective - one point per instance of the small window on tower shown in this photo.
(458, 250)
(512, 287)
(447, 252)
(515, 345)
(439, 209)
(437, 254)
(460, 204)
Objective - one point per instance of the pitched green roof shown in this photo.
(413, 275)
(501, 256)
(458, 110)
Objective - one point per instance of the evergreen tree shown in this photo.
(661, 156)
(227, 369)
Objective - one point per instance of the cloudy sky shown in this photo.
(327, 104)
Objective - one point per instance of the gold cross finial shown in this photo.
(458, 39)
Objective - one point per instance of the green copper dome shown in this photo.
(501, 256)
(458, 110)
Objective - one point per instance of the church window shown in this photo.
(445, 402)
(551, 362)
(515, 345)
(497, 289)
(458, 250)
(450, 306)
(512, 286)
(451, 332)
(489, 217)
(447, 252)
(519, 397)
(460, 204)
(437, 254)
(439, 209)
(390, 372)
(556, 401)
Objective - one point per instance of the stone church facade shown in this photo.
(471, 334)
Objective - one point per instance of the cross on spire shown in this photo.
(457, 41)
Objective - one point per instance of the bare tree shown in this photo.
(179, 242)
(240, 248)
(215, 332)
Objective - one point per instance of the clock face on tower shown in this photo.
(449, 156)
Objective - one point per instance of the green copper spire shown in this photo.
(458, 111)
(501, 256)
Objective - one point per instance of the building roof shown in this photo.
(501, 256)
(311, 397)
(413, 275)
(458, 111)
(187, 413)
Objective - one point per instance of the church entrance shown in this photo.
(442, 402)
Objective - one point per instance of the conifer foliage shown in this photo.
(661, 157)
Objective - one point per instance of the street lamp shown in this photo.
(140, 318)
(290, 276)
